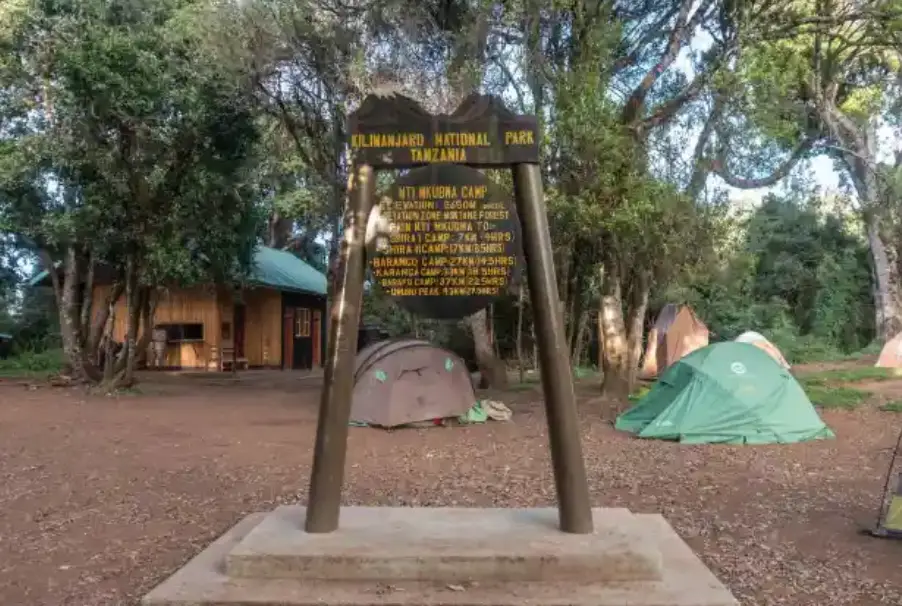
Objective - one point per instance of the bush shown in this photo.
(29, 362)
(871, 349)
(807, 348)
(845, 398)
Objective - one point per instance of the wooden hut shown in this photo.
(277, 321)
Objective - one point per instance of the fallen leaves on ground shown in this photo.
(102, 498)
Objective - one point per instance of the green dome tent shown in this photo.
(729, 392)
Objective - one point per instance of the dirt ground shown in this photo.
(102, 497)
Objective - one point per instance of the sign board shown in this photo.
(455, 243)
(455, 247)
(395, 131)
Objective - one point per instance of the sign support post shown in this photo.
(327, 475)
(456, 243)
(554, 358)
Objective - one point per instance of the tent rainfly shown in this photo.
(758, 340)
(730, 393)
(891, 354)
(398, 382)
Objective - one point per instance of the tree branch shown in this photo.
(701, 164)
(651, 33)
(719, 167)
(509, 77)
(50, 268)
(682, 29)
(689, 93)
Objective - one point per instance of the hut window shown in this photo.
(177, 333)
(301, 322)
(226, 331)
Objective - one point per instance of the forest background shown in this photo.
(740, 157)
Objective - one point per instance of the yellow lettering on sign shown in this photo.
(518, 137)
(387, 140)
(428, 192)
(438, 154)
(446, 241)
(460, 140)
(473, 191)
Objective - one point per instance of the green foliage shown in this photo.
(894, 406)
(835, 388)
(852, 375)
(125, 146)
(30, 363)
(799, 275)
(872, 349)
(146, 144)
(36, 326)
(806, 348)
(845, 398)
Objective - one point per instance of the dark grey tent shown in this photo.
(398, 382)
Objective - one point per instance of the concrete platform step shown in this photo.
(445, 545)
(205, 580)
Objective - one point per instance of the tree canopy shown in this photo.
(166, 139)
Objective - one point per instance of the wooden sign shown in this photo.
(455, 247)
(455, 243)
(395, 131)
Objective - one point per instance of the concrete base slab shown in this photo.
(207, 580)
(445, 545)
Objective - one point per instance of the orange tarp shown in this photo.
(676, 333)
(891, 354)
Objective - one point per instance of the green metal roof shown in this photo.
(283, 271)
(272, 268)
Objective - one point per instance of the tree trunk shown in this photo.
(87, 299)
(493, 372)
(581, 334)
(278, 231)
(535, 348)
(100, 322)
(600, 361)
(635, 322)
(68, 307)
(861, 162)
(340, 202)
(131, 340)
(109, 362)
(622, 334)
(125, 363)
(886, 281)
(148, 312)
(571, 319)
(465, 72)
(616, 359)
(490, 327)
(521, 368)
(563, 275)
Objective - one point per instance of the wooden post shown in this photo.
(557, 376)
(398, 133)
(329, 453)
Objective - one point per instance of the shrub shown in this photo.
(29, 362)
